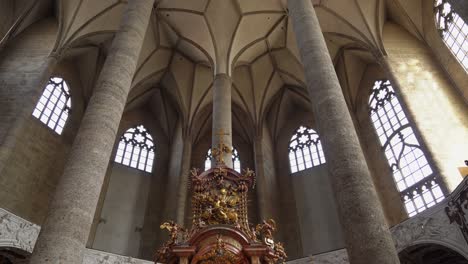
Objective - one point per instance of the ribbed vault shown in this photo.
(187, 42)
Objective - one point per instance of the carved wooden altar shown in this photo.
(220, 232)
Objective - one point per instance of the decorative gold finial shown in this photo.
(218, 152)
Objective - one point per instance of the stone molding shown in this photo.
(333, 257)
(98, 257)
(430, 226)
(16, 232)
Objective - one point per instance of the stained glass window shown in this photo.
(305, 150)
(136, 149)
(235, 160)
(53, 108)
(412, 173)
(454, 31)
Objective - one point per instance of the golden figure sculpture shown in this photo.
(280, 253)
(174, 230)
(218, 208)
(219, 151)
(266, 229)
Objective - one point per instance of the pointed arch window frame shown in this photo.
(305, 149)
(136, 149)
(453, 30)
(418, 184)
(54, 106)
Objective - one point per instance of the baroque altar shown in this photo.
(220, 231)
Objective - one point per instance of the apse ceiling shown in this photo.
(190, 40)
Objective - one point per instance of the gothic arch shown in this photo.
(432, 252)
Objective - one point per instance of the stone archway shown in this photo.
(431, 254)
(13, 256)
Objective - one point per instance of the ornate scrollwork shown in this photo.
(221, 150)
(219, 206)
(219, 255)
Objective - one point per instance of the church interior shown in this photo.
(234, 131)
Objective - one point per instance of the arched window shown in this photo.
(235, 160)
(305, 150)
(136, 149)
(412, 173)
(53, 108)
(454, 31)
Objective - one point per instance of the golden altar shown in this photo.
(220, 231)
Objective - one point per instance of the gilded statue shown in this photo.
(222, 149)
(280, 253)
(174, 230)
(219, 208)
(266, 229)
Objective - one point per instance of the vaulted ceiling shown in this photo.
(188, 41)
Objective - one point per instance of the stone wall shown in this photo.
(122, 217)
(438, 110)
(6, 17)
(320, 229)
(33, 153)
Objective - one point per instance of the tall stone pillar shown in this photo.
(222, 116)
(184, 180)
(367, 236)
(265, 189)
(68, 223)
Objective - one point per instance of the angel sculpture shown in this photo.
(266, 229)
(161, 255)
(280, 253)
(174, 230)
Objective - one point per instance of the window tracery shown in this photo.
(54, 105)
(235, 160)
(454, 31)
(305, 150)
(414, 177)
(136, 149)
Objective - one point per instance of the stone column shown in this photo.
(264, 188)
(367, 236)
(65, 231)
(222, 114)
(184, 179)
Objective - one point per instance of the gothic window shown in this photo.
(136, 149)
(53, 108)
(417, 183)
(454, 31)
(235, 160)
(305, 150)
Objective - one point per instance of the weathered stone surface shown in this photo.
(99, 257)
(333, 257)
(68, 223)
(222, 115)
(16, 232)
(360, 211)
